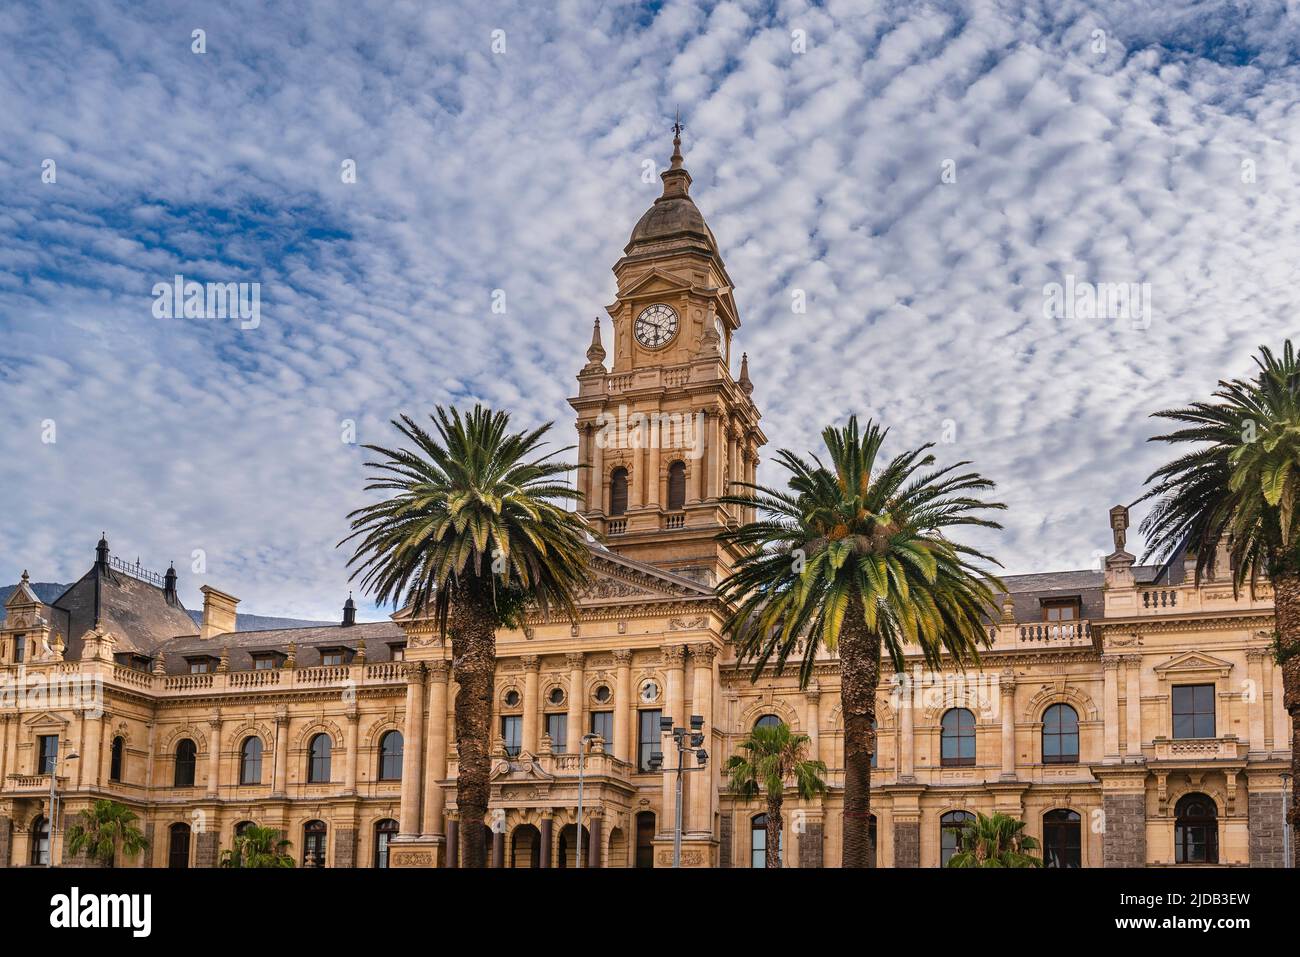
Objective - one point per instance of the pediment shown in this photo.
(523, 769)
(22, 595)
(614, 579)
(1193, 661)
(46, 719)
(654, 281)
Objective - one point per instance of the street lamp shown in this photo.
(54, 767)
(582, 760)
(1286, 822)
(691, 742)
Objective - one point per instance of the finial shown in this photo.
(677, 141)
(24, 574)
(745, 385)
(595, 352)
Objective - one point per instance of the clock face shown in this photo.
(656, 326)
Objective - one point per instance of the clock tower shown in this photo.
(665, 428)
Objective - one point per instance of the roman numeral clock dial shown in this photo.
(656, 326)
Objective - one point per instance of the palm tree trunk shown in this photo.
(1286, 611)
(859, 677)
(471, 623)
(772, 853)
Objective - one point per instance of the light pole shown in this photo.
(691, 742)
(54, 767)
(582, 760)
(1286, 822)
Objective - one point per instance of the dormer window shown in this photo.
(133, 661)
(202, 665)
(335, 656)
(398, 652)
(1062, 609)
(267, 660)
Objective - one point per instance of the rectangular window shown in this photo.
(602, 723)
(648, 737)
(512, 732)
(20, 647)
(264, 663)
(331, 658)
(557, 727)
(399, 652)
(49, 753)
(200, 667)
(1194, 711)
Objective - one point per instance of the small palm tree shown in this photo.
(1241, 483)
(854, 558)
(773, 756)
(995, 841)
(258, 847)
(475, 529)
(105, 828)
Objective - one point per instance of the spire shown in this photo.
(677, 181)
(745, 385)
(101, 550)
(169, 585)
(349, 612)
(595, 351)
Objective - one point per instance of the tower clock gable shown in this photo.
(665, 428)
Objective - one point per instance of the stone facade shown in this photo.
(343, 737)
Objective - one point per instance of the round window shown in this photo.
(556, 696)
(602, 694)
(649, 691)
(512, 698)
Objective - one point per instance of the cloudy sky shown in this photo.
(922, 171)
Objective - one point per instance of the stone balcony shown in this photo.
(1041, 635)
(38, 784)
(1227, 748)
(1211, 597)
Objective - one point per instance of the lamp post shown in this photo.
(1286, 823)
(54, 767)
(688, 742)
(582, 760)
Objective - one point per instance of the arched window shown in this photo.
(115, 765)
(1060, 735)
(1062, 839)
(1196, 830)
(385, 831)
(875, 745)
(313, 842)
(676, 485)
(40, 849)
(767, 721)
(758, 841)
(950, 827)
(390, 756)
(250, 760)
(186, 755)
(957, 742)
(318, 764)
(178, 846)
(619, 492)
(645, 839)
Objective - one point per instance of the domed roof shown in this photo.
(674, 215)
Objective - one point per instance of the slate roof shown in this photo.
(378, 636)
(137, 613)
(1029, 591)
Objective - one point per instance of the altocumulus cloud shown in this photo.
(920, 171)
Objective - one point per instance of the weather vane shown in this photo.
(677, 122)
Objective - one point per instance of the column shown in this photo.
(412, 750)
(453, 839)
(1133, 692)
(577, 691)
(732, 458)
(715, 456)
(652, 471)
(351, 762)
(812, 718)
(532, 707)
(700, 817)
(544, 852)
(214, 752)
(696, 467)
(1007, 690)
(593, 846)
(622, 699)
(436, 765)
(281, 764)
(498, 848)
(675, 663)
(1110, 712)
(637, 479)
(94, 749)
(1255, 708)
(596, 486)
(906, 738)
(583, 482)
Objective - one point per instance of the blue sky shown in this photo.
(1105, 141)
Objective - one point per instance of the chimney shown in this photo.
(218, 612)
(169, 585)
(349, 612)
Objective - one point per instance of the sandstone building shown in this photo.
(1127, 715)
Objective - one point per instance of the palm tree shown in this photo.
(475, 529)
(773, 756)
(104, 828)
(258, 847)
(1241, 483)
(853, 558)
(995, 841)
